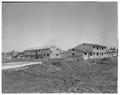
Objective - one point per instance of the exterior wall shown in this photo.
(86, 56)
(45, 53)
(85, 49)
(112, 52)
(98, 52)
(37, 54)
(71, 54)
(92, 51)
(55, 53)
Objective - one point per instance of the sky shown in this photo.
(65, 25)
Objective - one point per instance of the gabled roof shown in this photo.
(83, 48)
(70, 52)
(93, 44)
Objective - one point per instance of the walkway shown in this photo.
(13, 65)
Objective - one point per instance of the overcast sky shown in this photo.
(65, 25)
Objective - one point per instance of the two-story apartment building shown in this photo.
(42, 53)
(92, 50)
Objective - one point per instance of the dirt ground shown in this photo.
(61, 76)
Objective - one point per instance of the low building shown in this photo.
(43, 53)
(19, 55)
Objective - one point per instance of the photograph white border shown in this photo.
(63, 1)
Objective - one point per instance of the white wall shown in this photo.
(99, 51)
(86, 56)
(55, 53)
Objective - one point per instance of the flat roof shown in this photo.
(42, 47)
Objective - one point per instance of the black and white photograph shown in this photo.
(59, 47)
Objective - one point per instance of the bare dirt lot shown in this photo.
(61, 76)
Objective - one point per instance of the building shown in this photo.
(47, 52)
(82, 51)
(8, 56)
(20, 55)
(72, 54)
(91, 51)
(112, 52)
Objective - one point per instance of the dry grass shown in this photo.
(72, 76)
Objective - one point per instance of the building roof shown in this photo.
(83, 49)
(42, 47)
(70, 51)
(87, 47)
(93, 44)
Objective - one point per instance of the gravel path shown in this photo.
(13, 65)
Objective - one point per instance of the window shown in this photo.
(85, 53)
(44, 54)
(73, 54)
(93, 53)
(57, 54)
(97, 53)
(97, 48)
(47, 54)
